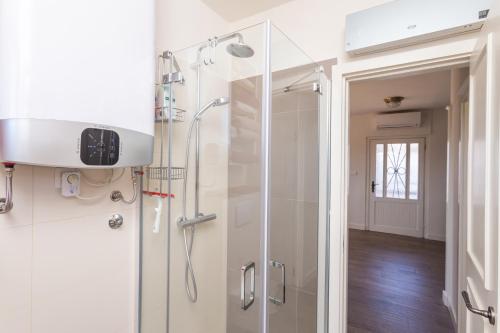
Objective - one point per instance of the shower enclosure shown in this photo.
(235, 205)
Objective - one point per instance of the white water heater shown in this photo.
(77, 82)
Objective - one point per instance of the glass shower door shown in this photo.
(294, 211)
(297, 252)
(216, 107)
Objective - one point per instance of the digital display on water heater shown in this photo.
(99, 147)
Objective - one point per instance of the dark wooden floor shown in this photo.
(396, 284)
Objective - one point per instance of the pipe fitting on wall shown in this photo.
(6, 203)
(118, 195)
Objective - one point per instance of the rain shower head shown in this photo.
(240, 50)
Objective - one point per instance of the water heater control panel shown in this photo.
(99, 147)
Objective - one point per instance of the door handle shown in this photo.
(490, 313)
(373, 186)
(251, 297)
(277, 300)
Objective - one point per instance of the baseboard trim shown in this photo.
(357, 226)
(446, 302)
(396, 231)
(445, 299)
(436, 237)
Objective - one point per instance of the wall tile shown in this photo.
(15, 279)
(84, 275)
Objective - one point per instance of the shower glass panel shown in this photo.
(296, 120)
(253, 166)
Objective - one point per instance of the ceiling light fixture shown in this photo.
(393, 101)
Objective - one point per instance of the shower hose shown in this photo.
(188, 239)
(189, 273)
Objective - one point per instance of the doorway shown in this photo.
(475, 306)
(397, 204)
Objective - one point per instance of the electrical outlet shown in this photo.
(58, 174)
(70, 183)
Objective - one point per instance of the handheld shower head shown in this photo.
(220, 101)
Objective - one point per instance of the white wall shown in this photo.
(182, 23)
(62, 269)
(434, 129)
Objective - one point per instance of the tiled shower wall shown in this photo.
(62, 268)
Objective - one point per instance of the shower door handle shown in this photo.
(250, 267)
(277, 300)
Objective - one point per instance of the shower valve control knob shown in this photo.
(116, 221)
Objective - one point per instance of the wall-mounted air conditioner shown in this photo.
(398, 120)
(405, 22)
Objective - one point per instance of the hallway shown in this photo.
(395, 284)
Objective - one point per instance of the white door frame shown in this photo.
(431, 58)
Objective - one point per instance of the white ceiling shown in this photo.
(232, 10)
(423, 91)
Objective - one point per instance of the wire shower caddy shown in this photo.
(155, 175)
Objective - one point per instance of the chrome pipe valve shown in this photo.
(6, 203)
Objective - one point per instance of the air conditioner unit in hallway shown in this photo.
(399, 120)
(405, 22)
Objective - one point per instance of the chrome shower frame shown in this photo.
(202, 57)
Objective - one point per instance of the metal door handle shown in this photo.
(277, 264)
(373, 186)
(490, 313)
(251, 297)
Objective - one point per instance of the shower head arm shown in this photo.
(216, 40)
(230, 36)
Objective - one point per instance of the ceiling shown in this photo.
(233, 10)
(423, 91)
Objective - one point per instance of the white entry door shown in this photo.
(395, 186)
(480, 280)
